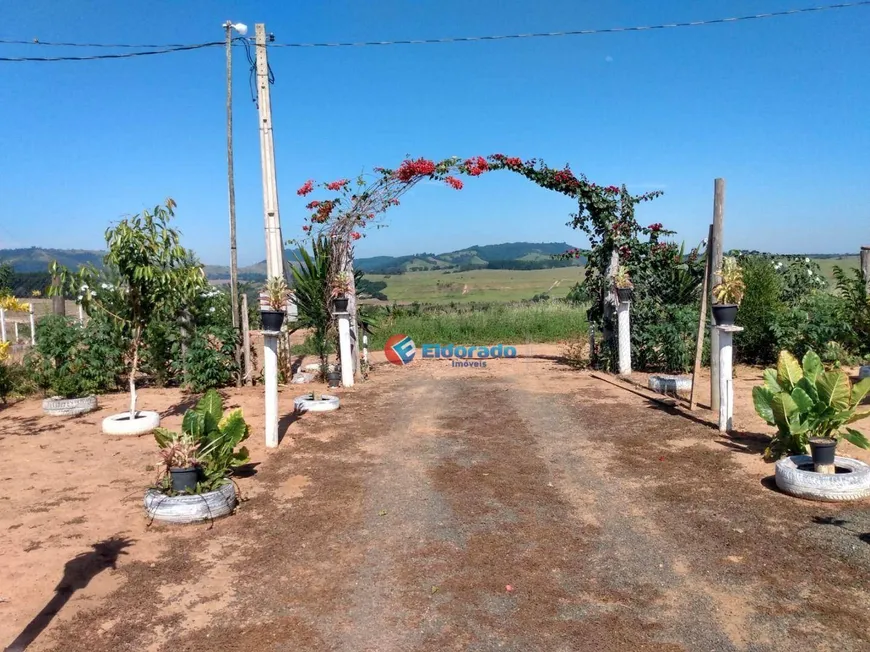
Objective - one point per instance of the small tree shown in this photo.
(155, 276)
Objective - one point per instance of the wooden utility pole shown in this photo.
(865, 266)
(231, 183)
(271, 215)
(702, 322)
(715, 247)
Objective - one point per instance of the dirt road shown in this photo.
(519, 507)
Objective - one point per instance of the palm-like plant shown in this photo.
(312, 290)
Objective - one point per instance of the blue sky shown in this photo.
(778, 107)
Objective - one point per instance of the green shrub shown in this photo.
(855, 311)
(663, 335)
(760, 312)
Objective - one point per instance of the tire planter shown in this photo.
(670, 384)
(190, 508)
(795, 477)
(120, 424)
(327, 403)
(864, 372)
(68, 407)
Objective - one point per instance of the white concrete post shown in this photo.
(15, 326)
(624, 337)
(726, 375)
(2, 324)
(270, 372)
(32, 327)
(344, 348)
(366, 349)
(81, 315)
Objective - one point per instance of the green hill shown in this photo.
(37, 259)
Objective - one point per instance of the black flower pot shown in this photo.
(272, 319)
(333, 378)
(823, 450)
(625, 294)
(184, 479)
(339, 304)
(724, 314)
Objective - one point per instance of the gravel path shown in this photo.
(523, 507)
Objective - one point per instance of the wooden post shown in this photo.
(231, 182)
(715, 245)
(246, 340)
(702, 322)
(865, 265)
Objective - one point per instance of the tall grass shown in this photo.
(513, 323)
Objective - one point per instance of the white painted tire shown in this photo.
(120, 424)
(819, 486)
(328, 403)
(670, 384)
(69, 407)
(190, 508)
(864, 372)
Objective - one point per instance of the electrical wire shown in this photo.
(126, 55)
(166, 49)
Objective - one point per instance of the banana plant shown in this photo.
(803, 401)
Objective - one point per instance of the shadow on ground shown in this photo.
(77, 573)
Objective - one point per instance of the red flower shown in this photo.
(306, 228)
(312, 205)
(336, 185)
(497, 157)
(323, 212)
(453, 182)
(476, 166)
(393, 202)
(513, 162)
(655, 228)
(306, 188)
(355, 235)
(612, 189)
(410, 169)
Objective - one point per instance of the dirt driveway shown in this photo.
(524, 506)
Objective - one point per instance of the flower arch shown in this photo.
(605, 213)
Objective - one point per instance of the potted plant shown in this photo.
(810, 406)
(179, 458)
(277, 293)
(340, 288)
(624, 286)
(198, 463)
(333, 377)
(728, 293)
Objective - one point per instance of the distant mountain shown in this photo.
(36, 259)
(509, 255)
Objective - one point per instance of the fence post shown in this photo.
(32, 327)
(865, 265)
(2, 324)
(246, 340)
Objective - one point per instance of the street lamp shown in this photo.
(242, 29)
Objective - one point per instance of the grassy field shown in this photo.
(844, 262)
(478, 285)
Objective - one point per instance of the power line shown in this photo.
(125, 55)
(166, 49)
(582, 32)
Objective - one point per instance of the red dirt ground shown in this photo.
(525, 506)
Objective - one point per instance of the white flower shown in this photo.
(778, 265)
(84, 288)
(93, 294)
(810, 272)
(807, 261)
(211, 309)
(104, 286)
(80, 298)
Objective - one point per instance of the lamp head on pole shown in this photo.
(241, 28)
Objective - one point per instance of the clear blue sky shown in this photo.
(779, 107)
